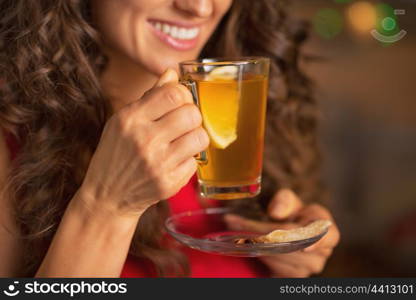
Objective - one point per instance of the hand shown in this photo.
(146, 150)
(286, 206)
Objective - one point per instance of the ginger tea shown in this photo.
(234, 117)
(232, 97)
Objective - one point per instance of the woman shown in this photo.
(96, 133)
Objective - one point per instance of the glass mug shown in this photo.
(232, 96)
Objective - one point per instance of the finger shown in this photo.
(169, 75)
(313, 263)
(189, 144)
(178, 122)
(185, 170)
(162, 100)
(315, 212)
(289, 271)
(284, 270)
(238, 223)
(328, 241)
(312, 213)
(284, 205)
(324, 252)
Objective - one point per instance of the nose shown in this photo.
(199, 8)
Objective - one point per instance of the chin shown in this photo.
(161, 68)
(158, 66)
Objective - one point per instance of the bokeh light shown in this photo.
(388, 23)
(328, 23)
(362, 16)
(386, 20)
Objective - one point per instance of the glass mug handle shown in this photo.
(201, 157)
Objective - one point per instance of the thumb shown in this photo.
(285, 204)
(238, 223)
(169, 75)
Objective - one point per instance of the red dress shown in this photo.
(201, 264)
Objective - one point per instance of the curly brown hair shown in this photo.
(51, 101)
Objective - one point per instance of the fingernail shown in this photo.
(169, 75)
(281, 208)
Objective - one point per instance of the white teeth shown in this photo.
(182, 33)
(166, 28)
(174, 32)
(193, 32)
(190, 33)
(177, 32)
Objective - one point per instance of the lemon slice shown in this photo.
(219, 103)
(223, 73)
(222, 131)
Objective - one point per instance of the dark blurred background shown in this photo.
(367, 93)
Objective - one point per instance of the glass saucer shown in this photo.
(205, 230)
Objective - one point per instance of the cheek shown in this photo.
(127, 38)
(223, 6)
(115, 21)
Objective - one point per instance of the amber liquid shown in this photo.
(241, 162)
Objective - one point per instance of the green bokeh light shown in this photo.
(387, 26)
(388, 23)
(328, 23)
(386, 20)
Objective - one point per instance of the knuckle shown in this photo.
(186, 94)
(151, 168)
(166, 186)
(123, 122)
(144, 149)
(129, 119)
(193, 115)
(175, 94)
(202, 138)
(193, 166)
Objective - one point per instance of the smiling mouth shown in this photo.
(178, 37)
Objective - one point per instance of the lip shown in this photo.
(177, 44)
(176, 23)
